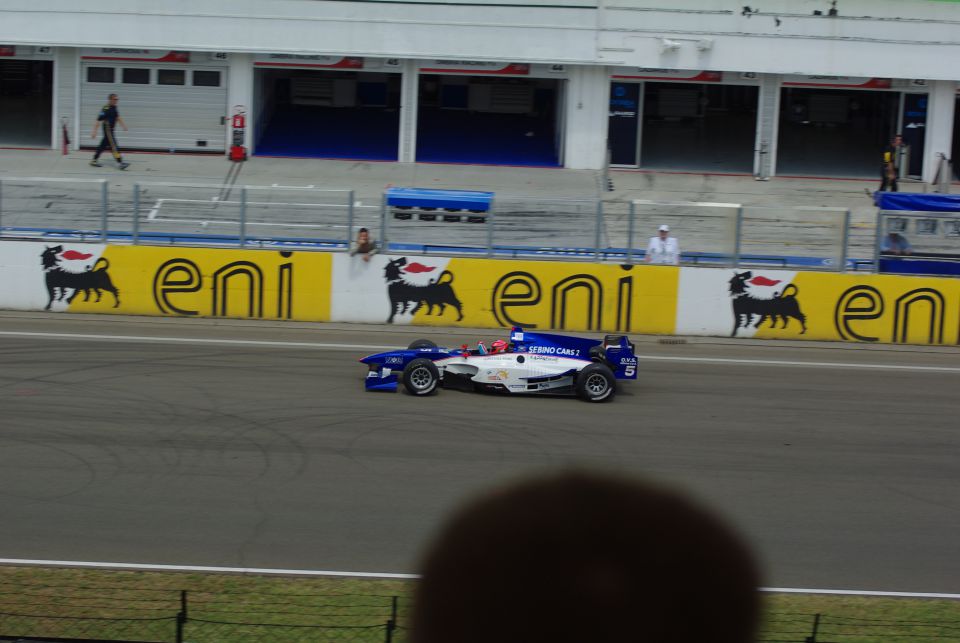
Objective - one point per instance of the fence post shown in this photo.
(136, 213)
(383, 223)
(243, 216)
(490, 228)
(104, 208)
(630, 224)
(816, 627)
(845, 251)
(878, 239)
(350, 219)
(182, 616)
(598, 232)
(737, 237)
(392, 623)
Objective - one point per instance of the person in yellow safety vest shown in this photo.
(888, 168)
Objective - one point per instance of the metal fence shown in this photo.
(910, 242)
(35, 206)
(929, 233)
(824, 628)
(514, 226)
(240, 215)
(731, 234)
(721, 234)
(162, 616)
(240, 623)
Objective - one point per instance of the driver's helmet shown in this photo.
(499, 346)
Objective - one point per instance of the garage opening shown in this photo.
(327, 114)
(26, 102)
(955, 148)
(493, 121)
(699, 126)
(835, 132)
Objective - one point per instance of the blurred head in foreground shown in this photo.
(586, 558)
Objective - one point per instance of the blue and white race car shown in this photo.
(532, 363)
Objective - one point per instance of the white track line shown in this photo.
(309, 572)
(190, 340)
(198, 568)
(379, 347)
(857, 592)
(773, 362)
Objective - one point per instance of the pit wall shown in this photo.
(441, 291)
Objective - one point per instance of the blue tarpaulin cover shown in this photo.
(917, 202)
(451, 199)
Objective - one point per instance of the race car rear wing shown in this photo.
(616, 351)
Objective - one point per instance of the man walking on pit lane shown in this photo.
(663, 249)
(109, 116)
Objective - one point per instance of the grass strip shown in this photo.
(143, 606)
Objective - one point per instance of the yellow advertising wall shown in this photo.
(561, 296)
(874, 309)
(204, 282)
(584, 297)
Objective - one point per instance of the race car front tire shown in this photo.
(421, 377)
(596, 383)
(421, 343)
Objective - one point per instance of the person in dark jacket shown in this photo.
(109, 117)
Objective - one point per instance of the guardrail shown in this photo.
(920, 243)
(170, 213)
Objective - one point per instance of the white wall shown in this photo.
(939, 134)
(888, 38)
(587, 113)
(546, 34)
(240, 92)
(65, 99)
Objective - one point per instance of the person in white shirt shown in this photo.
(663, 248)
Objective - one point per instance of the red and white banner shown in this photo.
(474, 67)
(690, 75)
(308, 60)
(140, 55)
(839, 81)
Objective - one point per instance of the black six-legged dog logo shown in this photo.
(60, 282)
(403, 294)
(747, 308)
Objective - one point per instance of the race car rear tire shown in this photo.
(421, 377)
(596, 383)
(421, 343)
(599, 355)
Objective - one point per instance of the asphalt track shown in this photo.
(237, 444)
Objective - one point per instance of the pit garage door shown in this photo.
(26, 97)
(169, 102)
(490, 113)
(835, 126)
(315, 106)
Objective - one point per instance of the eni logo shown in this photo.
(574, 300)
(920, 311)
(244, 281)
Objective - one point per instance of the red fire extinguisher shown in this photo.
(238, 152)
